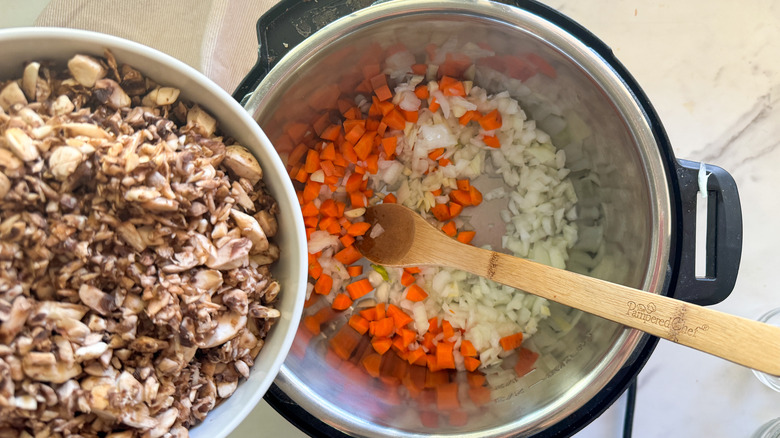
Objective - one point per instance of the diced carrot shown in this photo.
(389, 144)
(444, 162)
(399, 347)
(381, 344)
(492, 141)
(313, 298)
(358, 323)
(331, 133)
(467, 348)
(421, 91)
(383, 93)
(353, 182)
(381, 327)
(469, 116)
(323, 284)
(328, 168)
(301, 176)
(447, 397)
(326, 222)
(359, 288)
(444, 356)
(328, 208)
(315, 270)
(400, 318)
(454, 208)
(462, 197)
(525, 361)
(358, 228)
(297, 154)
(429, 419)
(347, 240)
(433, 325)
(365, 145)
(395, 120)
(342, 301)
(311, 190)
(512, 341)
(407, 279)
(410, 116)
(372, 163)
(415, 355)
(415, 293)
(441, 212)
(355, 270)
(312, 161)
(354, 134)
(390, 199)
(413, 269)
(437, 192)
(475, 195)
(322, 122)
(348, 255)
(466, 236)
(450, 229)
(328, 152)
(471, 363)
(447, 330)
(436, 153)
(433, 105)
(369, 314)
(419, 69)
(357, 199)
(371, 364)
(490, 121)
(427, 341)
(381, 311)
(352, 113)
(408, 336)
(451, 87)
(309, 209)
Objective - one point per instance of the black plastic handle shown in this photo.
(289, 22)
(724, 235)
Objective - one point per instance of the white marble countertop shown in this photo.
(712, 71)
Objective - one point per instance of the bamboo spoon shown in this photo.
(408, 240)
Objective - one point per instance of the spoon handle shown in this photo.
(740, 340)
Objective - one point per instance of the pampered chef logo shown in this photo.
(676, 324)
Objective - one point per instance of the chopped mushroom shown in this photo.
(134, 244)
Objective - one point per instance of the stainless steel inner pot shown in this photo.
(620, 178)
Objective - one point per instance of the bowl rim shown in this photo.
(284, 185)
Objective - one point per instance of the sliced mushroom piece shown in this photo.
(131, 236)
(90, 352)
(86, 70)
(11, 95)
(164, 422)
(47, 369)
(5, 185)
(145, 344)
(229, 324)
(242, 163)
(108, 92)
(20, 310)
(226, 389)
(85, 129)
(207, 280)
(62, 105)
(21, 144)
(232, 255)
(196, 116)
(63, 161)
(250, 229)
(72, 329)
(268, 223)
(96, 299)
(236, 300)
(30, 117)
(141, 194)
(161, 205)
(25, 402)
(259, 311)
(30, 80)
(161, 96)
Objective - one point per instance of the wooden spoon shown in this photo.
(408, 240)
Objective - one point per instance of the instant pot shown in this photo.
(639, 198)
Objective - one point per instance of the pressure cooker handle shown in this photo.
(289, 22)
(723, 237)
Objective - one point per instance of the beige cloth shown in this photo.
(217, 37)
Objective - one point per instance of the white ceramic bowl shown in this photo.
(34, 44)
